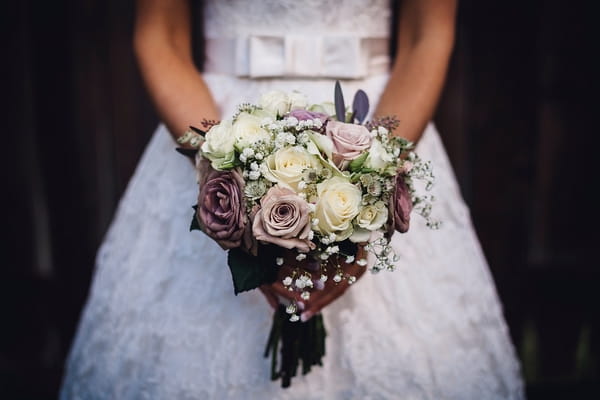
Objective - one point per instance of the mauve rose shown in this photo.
(400, 206)
(302, 115)
(203, 167)
(349, 140)
(283, 220)
(221, 211)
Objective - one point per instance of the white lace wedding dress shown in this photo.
(162, 321)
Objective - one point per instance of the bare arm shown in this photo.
(425, 42)
(162, 44)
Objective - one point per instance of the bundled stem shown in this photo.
(298, 341)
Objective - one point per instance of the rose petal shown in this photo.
(401, 206)
(221, 213)
(282, 217)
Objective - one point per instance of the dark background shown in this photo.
(518, 117)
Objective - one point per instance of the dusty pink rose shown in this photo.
(283, 219)
(349, 140)
(400, 206)
(221, 211)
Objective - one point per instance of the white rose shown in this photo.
(264, 115)
(218, 146)
(322, 143)
(360, 235)
(372, 216)
(318, 144)
(247, 131)
(275, 101)
(378, 157)
(297, 100)
(327, 108)
(287, 165)
(338, 204)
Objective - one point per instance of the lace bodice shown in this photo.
(288, 38)
(231, 18)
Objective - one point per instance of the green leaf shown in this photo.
(198, 131)
(191, 153)
(340, 106)
(195, 225)
(358, 162)
(347, 247)
(249, 272)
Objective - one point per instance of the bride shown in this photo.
(161, 321)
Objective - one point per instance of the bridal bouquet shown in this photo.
(294, 191)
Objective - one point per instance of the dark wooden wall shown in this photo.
(517, 117)
(76, 121)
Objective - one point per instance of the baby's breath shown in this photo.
(245, 107)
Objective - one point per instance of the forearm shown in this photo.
(162, 44)
(425, 39)
(414, 87)
(177, 89)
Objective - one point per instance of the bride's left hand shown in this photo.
(319, 299)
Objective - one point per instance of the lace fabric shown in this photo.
(161, 321)
(232, 18)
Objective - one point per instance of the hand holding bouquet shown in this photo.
(294, 191)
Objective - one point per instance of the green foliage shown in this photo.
(249, 272)
(357, 163)
(195, 225)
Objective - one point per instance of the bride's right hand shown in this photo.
(319, 299)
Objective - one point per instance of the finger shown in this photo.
(269, 296)
(283, 291)
(354, 270)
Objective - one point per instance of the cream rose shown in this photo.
(218, 146)
(378, 157)
(275, 101)
(287, 165)
(264, 115)
(327, 108)
(372, 216)
(369, 219)
(297, 101)
(339, 202)
(247, 131)
(322, 144)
